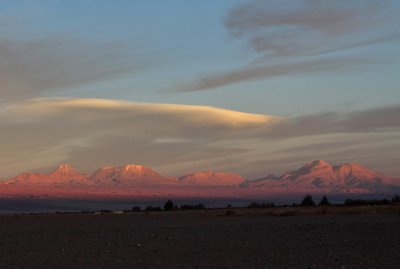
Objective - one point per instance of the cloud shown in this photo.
(305, 27)
(377, 151)
(93, 132)
(57, 63)
(382, 119)
(294, 37)
(256, 72)
(39, 134)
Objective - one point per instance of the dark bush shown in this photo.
(256, 205)
(324, 201)
(308, 201)
(349, 201)
(362, 202)
(199, 206)
(153, 208)
(192, 207)
(105, 211)
(136, 208)
(260, 205)
(396, 199)
(186, 207)
(169, 205)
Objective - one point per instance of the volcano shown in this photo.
(320, 175)
(126, 175)
(63, 175)
(132, 179)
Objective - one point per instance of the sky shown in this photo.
(251, 87)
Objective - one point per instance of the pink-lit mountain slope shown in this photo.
(123, 176)
(127, 175)
(212, 179)
(63, 175)
(320, 175)
(131, 180)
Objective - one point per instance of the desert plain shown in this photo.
(359, 237)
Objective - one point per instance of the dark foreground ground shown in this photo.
(205, 239)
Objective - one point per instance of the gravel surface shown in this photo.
(199, 240)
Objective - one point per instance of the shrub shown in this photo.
(169, 205)
(362, 202)
(261, 205)
(256, 205)
(186, 207)
(324, 201)
(396, 199)
(308, 201)
(192, 207)
(152, 208)
(199, 206)
(349, 201)
(105, 211)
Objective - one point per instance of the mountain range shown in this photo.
(320, 175)
(315, 176)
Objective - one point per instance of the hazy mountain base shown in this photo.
(46, 205)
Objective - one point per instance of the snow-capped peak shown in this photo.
(317, 163)
(65, 169)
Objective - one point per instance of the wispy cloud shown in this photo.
(255, 72)
(302, 27)
(381, 119)
(176, 139)
(57, 63)
(290, 37)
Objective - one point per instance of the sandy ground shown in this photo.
(199, 240)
